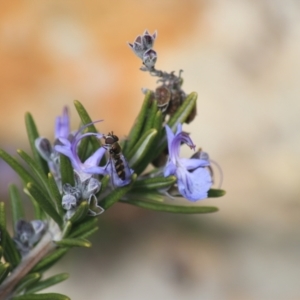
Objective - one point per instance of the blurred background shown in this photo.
(243, 59)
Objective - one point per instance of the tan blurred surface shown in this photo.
(242, 57)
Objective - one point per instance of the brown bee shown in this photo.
(115, 151)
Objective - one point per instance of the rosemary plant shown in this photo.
(83, 173)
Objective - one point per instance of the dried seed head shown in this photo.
(150, 58)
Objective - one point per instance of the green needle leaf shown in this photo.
(49, 260)
(146, 195)
(67, 229)
(66, 170)
(151, 113)
(33, 134)
(28, 280)
(17, 167)
(16, 204)
(214, 193)
(89, 233)
(104, 182)
(47, 283)
(84, 227)
(2, 223)
(48, 296)
(55, 194)
(138, 124)
(79, 242)
(86, 119)
(80, 212)
(11, 253)
(44, 202)
(154, 183)
(177, 209)
(84, 116)
(158, 121)
(38, 212)
(184, 111)
(157, 124)
(142, 147)
(116, 195)
(35, 168)
(4, 270)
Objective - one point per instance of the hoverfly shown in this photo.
(122, 173)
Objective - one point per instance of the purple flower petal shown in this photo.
(62, 125)
(194, 185)
(115, 178)
(95, 158)
(75, 161)
(193, 179)
(191, 164)
(170, 137)
(170, 169)
(69, 149)
(95, 170)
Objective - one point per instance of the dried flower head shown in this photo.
(28, 234)
(143, 43)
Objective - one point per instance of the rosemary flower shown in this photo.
(193, 179)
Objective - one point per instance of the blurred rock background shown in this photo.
(242, 57)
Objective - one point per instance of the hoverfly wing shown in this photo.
(120, 171)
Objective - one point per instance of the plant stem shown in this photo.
(45, 246)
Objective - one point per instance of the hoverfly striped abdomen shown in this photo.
(115, 151)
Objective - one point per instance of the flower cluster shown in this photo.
(193, 178)
(85, 189)
(83, 173)
(28, 234)
(87, 185)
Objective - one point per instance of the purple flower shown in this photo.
(62, 125)
(69, 149)
(193, 179)
(45, 149)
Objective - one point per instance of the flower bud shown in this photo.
(90, 188)
(28, 234)
(44, 148)
(69, 202)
